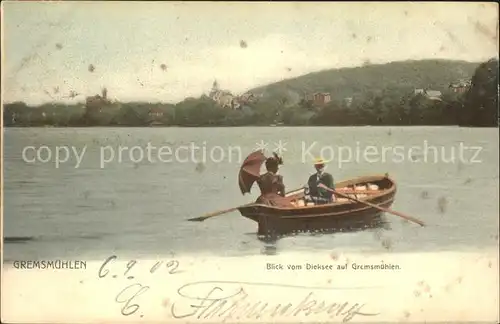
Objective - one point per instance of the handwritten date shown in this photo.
(171, 266)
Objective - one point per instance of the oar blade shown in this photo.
(217, 213)
(197, 219)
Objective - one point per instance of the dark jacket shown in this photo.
(313, 182)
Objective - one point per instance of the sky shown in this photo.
(167, 51)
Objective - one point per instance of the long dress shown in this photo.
(272, 190)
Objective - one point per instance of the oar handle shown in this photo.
(225, 211)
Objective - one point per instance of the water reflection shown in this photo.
(270, 248)
(270, 241)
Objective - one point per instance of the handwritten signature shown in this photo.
(227, 299)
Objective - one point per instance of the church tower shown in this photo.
(215, 89)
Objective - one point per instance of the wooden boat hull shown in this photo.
(339, 216)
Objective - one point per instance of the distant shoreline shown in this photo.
(415, 93)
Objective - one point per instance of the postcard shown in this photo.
(248, 162)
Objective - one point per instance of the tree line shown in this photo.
(478, 106)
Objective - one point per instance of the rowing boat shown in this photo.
(342, 215)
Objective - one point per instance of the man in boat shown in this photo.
(271, 184)
(318, 195)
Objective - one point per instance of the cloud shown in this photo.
(127, 47)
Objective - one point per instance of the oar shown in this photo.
(225, 211)
(217, 213)
(387, 210)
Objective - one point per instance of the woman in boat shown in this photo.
(272, 188)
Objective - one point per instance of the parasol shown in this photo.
(250, 171)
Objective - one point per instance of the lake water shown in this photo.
(132, 207)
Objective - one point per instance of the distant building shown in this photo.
(95, 103)
(319, 98)
(348, 101)
(226, 99)
(215, 88)
(155, 113)
(433, 94)
(100, 110)
(223, 98)
(247, 98)
(460, 86)
(430, 94)
(155, 117)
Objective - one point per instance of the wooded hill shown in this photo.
(403, 77)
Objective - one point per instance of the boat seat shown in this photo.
(307, 201)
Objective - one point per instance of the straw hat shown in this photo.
(319, 161)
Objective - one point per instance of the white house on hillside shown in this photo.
(226, 99)
(431, 94)
(223, 97)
